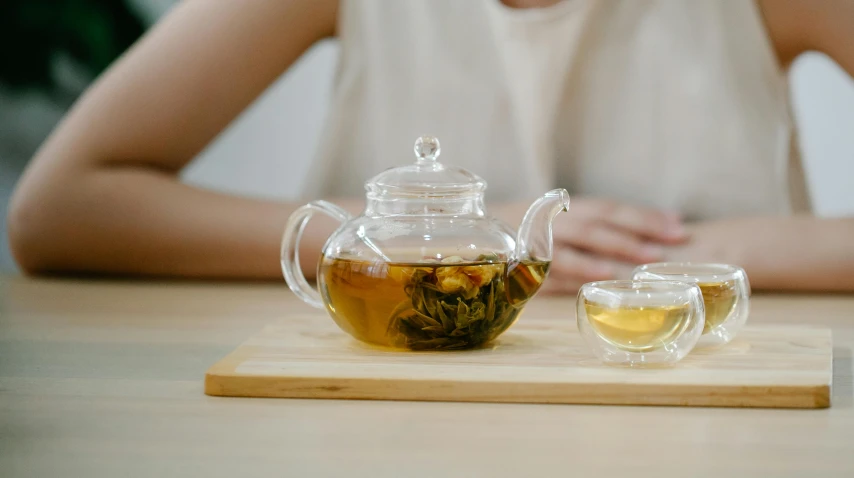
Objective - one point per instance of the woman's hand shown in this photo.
(600, 239)
(797, 253)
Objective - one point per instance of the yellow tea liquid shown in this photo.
(444, 305)
(719, 299)
(638, 328)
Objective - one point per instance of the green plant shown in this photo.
(34, 33)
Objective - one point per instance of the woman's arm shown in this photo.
(798, 26)
(789, 253)
(796, 253)
(102, 194)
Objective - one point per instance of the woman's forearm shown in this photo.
(794, 253)
(135, 221)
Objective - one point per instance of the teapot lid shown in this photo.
(426, 178)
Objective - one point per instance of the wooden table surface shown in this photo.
(101, 378)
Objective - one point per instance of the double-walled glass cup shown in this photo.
(726, 294)
(636, 323)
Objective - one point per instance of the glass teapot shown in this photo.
(424, 267)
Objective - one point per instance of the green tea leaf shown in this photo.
(462, 308)
(434, 328)
(447, 323)
(490, 303)
(477, 311)
(462, 320)
(428, 320)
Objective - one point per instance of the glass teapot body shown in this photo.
(424, 267)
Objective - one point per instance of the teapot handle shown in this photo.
(290, 248)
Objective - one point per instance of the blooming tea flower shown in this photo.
(465, 280)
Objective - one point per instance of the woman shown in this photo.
(667, 121)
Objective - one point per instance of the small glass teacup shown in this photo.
(726, 294)
(636, 323)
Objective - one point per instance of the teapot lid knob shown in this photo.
(427, 148)
(426, 178)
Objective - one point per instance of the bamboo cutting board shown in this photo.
(537, 361)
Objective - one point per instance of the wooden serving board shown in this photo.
(537, 361)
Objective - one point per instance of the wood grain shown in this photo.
(105, 378)
(538, 361)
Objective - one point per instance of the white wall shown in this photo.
(267, 151)
(823, 99)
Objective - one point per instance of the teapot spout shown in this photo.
(534, 240)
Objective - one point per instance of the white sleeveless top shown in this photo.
(678, 105)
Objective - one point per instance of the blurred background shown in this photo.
(52, 49)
